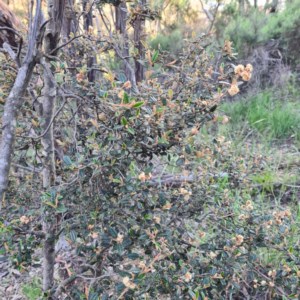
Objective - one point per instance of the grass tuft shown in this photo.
(267, 115)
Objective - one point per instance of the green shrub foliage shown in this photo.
(146, 208)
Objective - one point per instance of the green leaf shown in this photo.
(131, 130)
(124, 121)
(125, 98)
(188, 149)
(67, 160)
(122, 78)
(180, 161)
(138, 104)
(73, 236)
(155, 56)
(133, 255)
(93, 296)
(164, 102)
(113, 232)
(61, 209)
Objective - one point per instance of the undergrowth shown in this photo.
(269, 116)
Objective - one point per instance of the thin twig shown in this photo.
(65, 44)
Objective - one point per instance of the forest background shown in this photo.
(150, 149)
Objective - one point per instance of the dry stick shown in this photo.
(15, 101)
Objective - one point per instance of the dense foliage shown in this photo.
(151, 200)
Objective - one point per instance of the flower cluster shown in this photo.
(242, 72)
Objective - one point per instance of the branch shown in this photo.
(11, 29)
(65, 44)
(28, 169)
(172, 180)
(34, 32)
(51, 122)
(10, 52)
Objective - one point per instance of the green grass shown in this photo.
(33, 290)
(264, 113)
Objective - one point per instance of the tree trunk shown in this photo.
(123, 49)
(69, 22)
(139, 38)
(242, 6)
(87, 26)
(51, 41)
(15, 101)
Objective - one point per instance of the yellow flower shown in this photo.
(156, 219)
(80, 76)
(239, 239)
(233, 90)
(202, 234)
(127, 85)
(249, 205)
(272, 273)
(94, 235)
(225, 120)
(24, 220)
(271, 284)
(246, 76)
(188, 276)
(90, 226)
(243, 217)
(239, 69)
(194, 131)
(143, 177)
(228, 48)
(167, 206)
(121, 94)
(120, 238)
(128, 283)
(263, 282)
(287, 269)
(249, 68)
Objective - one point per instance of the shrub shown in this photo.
(171, 42)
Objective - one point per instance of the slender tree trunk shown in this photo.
(87, 25)
(139, 39)
(242, 6)
(9, 121)
(51, 41)
(69, 21)
(15, 101)
(122, 50)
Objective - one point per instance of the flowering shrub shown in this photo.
(147, 207)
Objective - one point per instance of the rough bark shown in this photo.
(139, 38)
(87, 25)
(15, 101)
(69, 22)
(48, 104)
(51, 41)
(122, 50)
